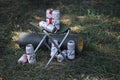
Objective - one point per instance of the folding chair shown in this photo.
(63, 29)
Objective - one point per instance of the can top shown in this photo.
(29, 45)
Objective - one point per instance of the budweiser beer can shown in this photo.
(71, 49)
(49, 13)
(31, 58)
(42, 24)
(56, 14)
(29, 48)
(47, 27)
(54, 49)
(30, 53)
(23, 59)
(71, 45)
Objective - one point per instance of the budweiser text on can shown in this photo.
(54, 49)
(71, 49)
(23, 59)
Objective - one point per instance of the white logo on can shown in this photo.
(31, 58)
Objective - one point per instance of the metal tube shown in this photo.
(58, 47)
(40, 43)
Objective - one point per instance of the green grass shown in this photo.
(99, 60)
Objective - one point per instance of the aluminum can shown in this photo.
(23, 59)
(56, 14)
(31, 58)
(71, 45)
(30, 53)
(29, 49)
(47, 27)
(54, 49)
(49, 13)
(71, 49)
(42, 24)
(60, 58)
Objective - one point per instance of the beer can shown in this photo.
(56, 14)
(71, 45)
(47, 27)
(49, 13)
(71, 49)
(23, 59)
(54, 49)
(29, 49)
(31, 58)
(60, 58)
(30, 53)
(42, 24)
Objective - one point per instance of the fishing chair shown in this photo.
(63, 30)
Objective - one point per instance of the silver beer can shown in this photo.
(71, 49)
(42, 24)
(47, 27)
(30, 53)
(23, 59)
(29, 49)
(71, 45)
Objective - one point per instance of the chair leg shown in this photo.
(44, 37)
(58, 47)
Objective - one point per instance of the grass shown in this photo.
(99, 60)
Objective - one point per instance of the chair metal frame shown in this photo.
(46, 34)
